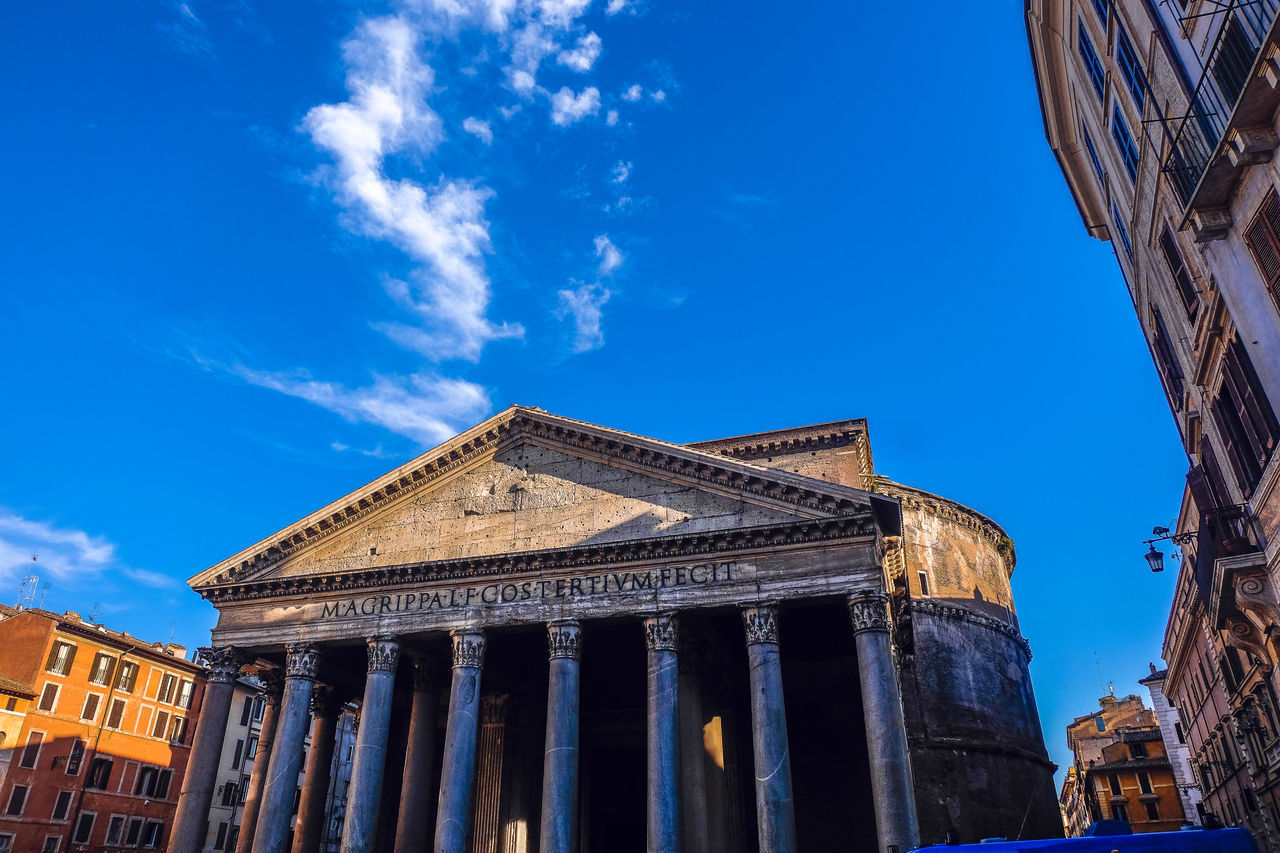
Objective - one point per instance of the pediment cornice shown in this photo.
(677, 463)
(713, 545)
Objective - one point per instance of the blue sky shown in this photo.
(255, 255)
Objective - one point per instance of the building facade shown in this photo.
(1163, 119)
(1122, 771)
(101, 751)
(1175, 742)
(567, 637)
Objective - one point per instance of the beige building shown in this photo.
(570, 636)
(1163, 118)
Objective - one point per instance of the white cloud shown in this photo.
(621, 171)
(611, 118)
(583, 56)
(584, 305)
(479, 128)
(562, 13)
(609, 255)
(615, 6)
(425, 407)
(64, 554)
(442, 227)
(659, 96)
(568, 108)
(633, 93)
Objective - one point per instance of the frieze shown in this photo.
(223, 664)
(301, 661)
(384, 654)
(761, 624)
(564, 639)
(661, 632)
(956, 613)
(547, 589)
(770, 485)
(869, 611)
(689, 546)
(468, 648)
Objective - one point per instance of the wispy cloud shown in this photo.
(583, 55)
(186, 31)
(479, 129)
(609, 255)
(585, 306)
(64, 554)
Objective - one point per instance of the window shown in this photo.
(48, 697)
(115, 829)
(11, 704)
(179, 730)
(220, 843)
(244, 790)
(6, 842)
(1092, 66)
(229, 791)
(162, 724)
(1093, 155)
(163, 779)
(17, 800)
(103, 669)
(1130, 68)
(31, 752)
(116, 717)
(1124, 143)
(151, 835)
(184, 693)
(1177, 729)
(1181, 275)
(127, 678)
(62, 805)
(168, 686)
(51, 844)
(84, 828)
(90, 707)
(1114, 781)
(99, 773)
(1144, 782)
(258, 706)
(1245, 419)
(1100, 6)
(253, 748)
(235, 758)
(924, 582)
(153, 782)
(1138, 750)
(1122, 231)
(1166, 361)
(134, 833)
(75, 757)
(248, 709)
(1263, 237)
(61, 656)
(1121, 811)
(1100, 724)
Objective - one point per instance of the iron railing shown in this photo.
(1241, 34)
(1230, 531)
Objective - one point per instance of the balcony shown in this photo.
(1227, 125)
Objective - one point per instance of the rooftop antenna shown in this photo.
(30, 583)
(97, 608)
(173, 624)
(44, 590)
(1098, 663)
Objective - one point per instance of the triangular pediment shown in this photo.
(524, 481)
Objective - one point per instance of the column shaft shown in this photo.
(370, 757)
(315, 786)
(891, 786)
(419, 762)
(694, 813)
(206, 750)
(560, 756)
(775, 811)
(663, 760)
(272, 686)
(457, 776)
(276, 811)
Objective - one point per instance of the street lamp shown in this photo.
(1155, 559)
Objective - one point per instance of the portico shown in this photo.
(582, 615)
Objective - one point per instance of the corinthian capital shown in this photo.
(271, 682)
(869, 610)
(761, 624)
(564, 639)
(661, 632)
(384, 654)
(301, 661)
(224, 664)
(468, 648)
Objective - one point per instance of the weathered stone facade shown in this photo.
(705, 646)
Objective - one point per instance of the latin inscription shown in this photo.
(606, 583)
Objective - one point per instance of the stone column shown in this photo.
(775, 811)
(459, 769)
(560, 748)
(202, 768)
(371, 746)
(325, 707)
(663, 819)
(487, 823)
(272, 686)
(891, 785)
(286, 754)
(419, 762)
(694, 827)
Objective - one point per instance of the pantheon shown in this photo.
(565, 637)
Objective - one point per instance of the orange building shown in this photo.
(98, 758)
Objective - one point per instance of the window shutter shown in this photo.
(1264, 251)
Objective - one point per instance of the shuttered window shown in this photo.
(1181, 275)
(31, 752)
(117, 714)
(1170, 371)
(1263, 237)
(1246, 422)
(61, 656)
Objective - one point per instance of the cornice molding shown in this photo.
(956, 613)
(695, 547)
(683, 464)
(956, 513)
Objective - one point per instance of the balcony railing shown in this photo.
(1230, 531)
(1243, 31)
